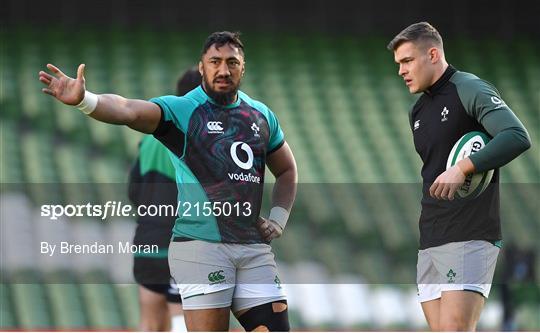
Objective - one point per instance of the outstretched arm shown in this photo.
(139, 115)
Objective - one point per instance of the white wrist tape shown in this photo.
(280, 215)
(89, 103)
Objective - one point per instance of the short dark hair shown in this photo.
(221, 38)
(188, 81)
(418, 32)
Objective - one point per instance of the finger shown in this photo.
(80, 72)
(273, 235)
(452, 192)
(45, 75)
(48, 91)
(444, 192)
(439, 190)
(45, 80)
(433, 188)
(267, 234)
(55, 70)
(263, 226)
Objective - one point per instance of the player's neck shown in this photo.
(439, 72)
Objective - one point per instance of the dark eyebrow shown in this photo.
(220, 58)
(404, 59)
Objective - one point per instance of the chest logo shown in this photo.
(255, 129)
(214, 127)
(416, 125)
(444, 113)
(246, 165)
(245, 147)
(498, 102)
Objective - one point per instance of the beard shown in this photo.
(221, 97)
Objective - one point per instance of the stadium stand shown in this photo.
(344, 112)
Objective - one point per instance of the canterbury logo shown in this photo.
(216, 276)
(214, 127)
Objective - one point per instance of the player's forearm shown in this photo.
(510, 139)
(284, 191)
(504, 147)
(140, 115)
(113, 109)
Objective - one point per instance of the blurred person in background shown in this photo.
(152, 182)
(220, 142)
(459, 240)
(518, 277)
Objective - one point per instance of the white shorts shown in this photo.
(468, 265)
(214, 275)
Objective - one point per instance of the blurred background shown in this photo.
(348, 256)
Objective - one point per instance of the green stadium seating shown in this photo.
(129, 303)
(7, 315)
(30, 301)
(10, 153)
(102, 306)
(344, 112)
(67, 309)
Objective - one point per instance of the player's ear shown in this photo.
(434, 55)
(200, 68)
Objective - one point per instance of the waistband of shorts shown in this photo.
(182, 239)
(187, 239)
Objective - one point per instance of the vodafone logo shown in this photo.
(214, 127)
(246, 165)
(245, 147)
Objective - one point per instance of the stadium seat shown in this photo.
(67, 309)
(7, 315)
(10, 150)
(128, 299)
(101, 304)
(30, 301)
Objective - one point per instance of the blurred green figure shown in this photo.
(152, 182)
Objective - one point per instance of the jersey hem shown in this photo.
(495, 242)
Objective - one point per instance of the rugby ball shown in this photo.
(468, 145)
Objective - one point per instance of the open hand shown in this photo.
(65, 89)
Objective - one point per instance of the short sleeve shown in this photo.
(175, 109)
(276, 139)
(173, 126)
